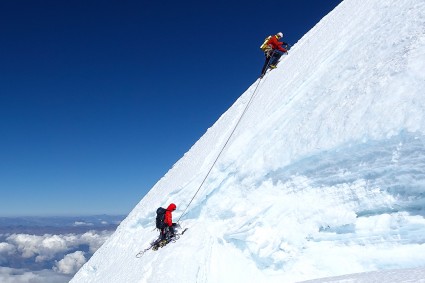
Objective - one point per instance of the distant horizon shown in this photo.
(60, 215)
(63, 216)
(47, 217)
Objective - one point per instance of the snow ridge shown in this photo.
(324, 175)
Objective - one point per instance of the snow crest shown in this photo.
(324, 176)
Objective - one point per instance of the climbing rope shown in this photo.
(224, 146)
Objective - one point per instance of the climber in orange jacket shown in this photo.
(273, 52)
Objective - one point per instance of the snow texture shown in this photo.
(324, 175)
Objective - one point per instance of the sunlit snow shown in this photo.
(324, 175)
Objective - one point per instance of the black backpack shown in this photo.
(160, 216)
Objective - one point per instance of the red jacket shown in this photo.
(168, 216)
(276, 44)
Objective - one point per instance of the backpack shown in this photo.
(265, 46)
(160, 216)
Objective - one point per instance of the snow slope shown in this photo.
(409, 275)
(324, 175)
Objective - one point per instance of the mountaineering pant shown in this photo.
(275, 57)
(167, 232)
(271, 59)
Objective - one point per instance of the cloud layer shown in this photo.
(63, 254)
(47, 247)
(70, 263)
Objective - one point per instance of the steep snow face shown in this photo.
(323, 176)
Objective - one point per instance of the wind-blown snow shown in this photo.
(324, 176)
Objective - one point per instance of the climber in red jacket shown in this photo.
(168, 216)
(273, 52)
(168, 231)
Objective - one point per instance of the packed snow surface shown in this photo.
(324, 175)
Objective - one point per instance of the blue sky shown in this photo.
(98, 99)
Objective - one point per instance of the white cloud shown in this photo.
(94, 239)
(51, 246)
(81, 223)
(71, 263)
(6, 248)
(43, 247)
(47, 247)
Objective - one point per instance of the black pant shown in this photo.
(271, 59)
(167, 232)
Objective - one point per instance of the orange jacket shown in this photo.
(168, 216)
(276, 44)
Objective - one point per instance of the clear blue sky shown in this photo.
(98, 99)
